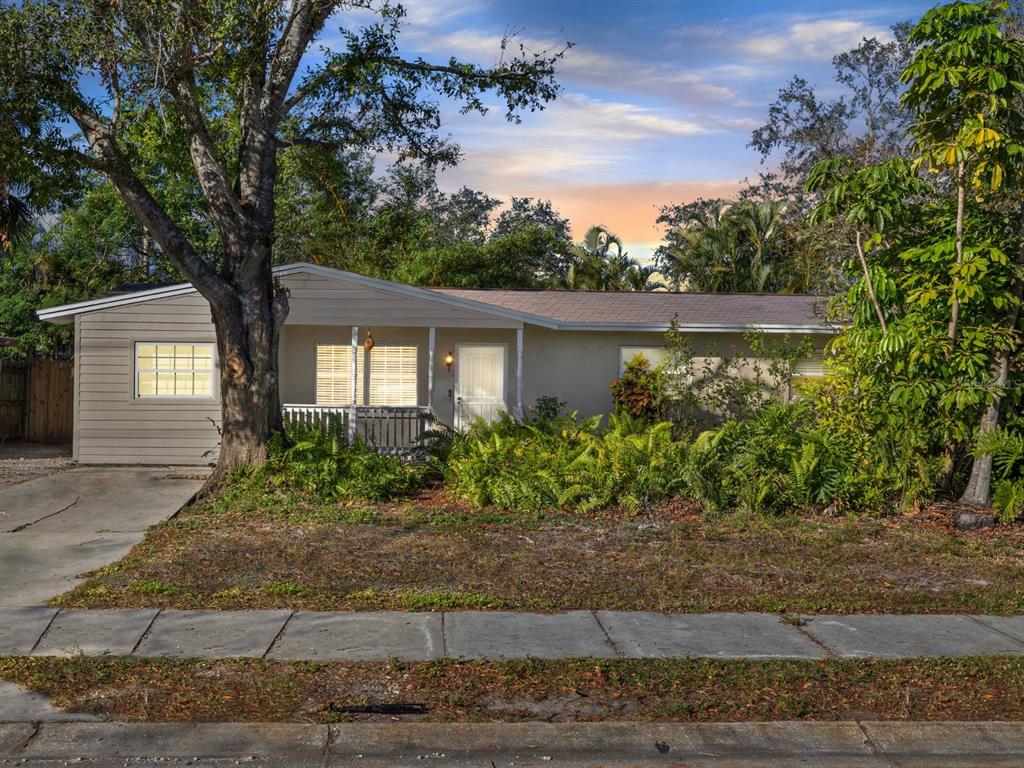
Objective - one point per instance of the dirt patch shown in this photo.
(696, 690)
(431, 554)
(26, 461)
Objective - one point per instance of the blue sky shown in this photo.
(659, 97)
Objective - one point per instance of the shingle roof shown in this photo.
(658, 308)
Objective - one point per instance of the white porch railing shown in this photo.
(392, 430)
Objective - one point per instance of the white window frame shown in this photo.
(640, 349)
(138, 369)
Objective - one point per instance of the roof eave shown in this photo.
(703, 327)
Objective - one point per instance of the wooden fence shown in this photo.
(37, 400)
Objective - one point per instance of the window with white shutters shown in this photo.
(334, 374)
(169, 369)
(393, 375)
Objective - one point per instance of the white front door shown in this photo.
(479, 382)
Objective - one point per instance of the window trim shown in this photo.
(214, 395)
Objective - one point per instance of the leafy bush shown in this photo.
(641, 390)
(566, 462)
(1006, 447)
(321, 462)
(720, 385)
(781, 460)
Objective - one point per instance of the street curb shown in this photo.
(848, 743)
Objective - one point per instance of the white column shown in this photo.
(520, 412)
(355, 389)
(431, 339)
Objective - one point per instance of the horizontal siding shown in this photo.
(112, 427)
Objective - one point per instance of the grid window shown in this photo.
(173, 370)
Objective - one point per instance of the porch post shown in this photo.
(355, 389)
(431, 338)
(519, 373)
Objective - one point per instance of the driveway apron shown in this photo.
(54, 529)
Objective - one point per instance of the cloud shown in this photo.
(580, 65)
(620, 120)
(819, 39)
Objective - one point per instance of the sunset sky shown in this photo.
(659, 98)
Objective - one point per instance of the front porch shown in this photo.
(388, 384)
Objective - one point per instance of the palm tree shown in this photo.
(640, 278)
(728, 248)
(591, 261)
(15, 218)
(759, 223)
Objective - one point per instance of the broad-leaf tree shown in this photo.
(233, 82)
(964, 89)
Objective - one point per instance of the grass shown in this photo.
(430, 553)
(707, 690)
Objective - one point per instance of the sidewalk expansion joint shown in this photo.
(278, 635)
(145, 632)
(45, 630)
(829, 653)
(444, 635)
(618, 651)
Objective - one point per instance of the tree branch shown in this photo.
(146, 208)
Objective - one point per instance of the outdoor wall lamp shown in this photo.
(449, 359)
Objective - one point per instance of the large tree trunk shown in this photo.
(248, 336)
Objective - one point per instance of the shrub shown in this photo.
(565, 463)
(792, 458)
(1006, 446)
(321, 462)
(641, 390)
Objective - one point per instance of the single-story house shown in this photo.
(380, 355)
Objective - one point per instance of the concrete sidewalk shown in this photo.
(838, 744)
(302, 635)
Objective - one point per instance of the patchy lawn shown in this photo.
(680, 689)
(434, 554)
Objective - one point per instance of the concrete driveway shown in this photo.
(55, 529)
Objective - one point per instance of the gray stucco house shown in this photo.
(146, 369)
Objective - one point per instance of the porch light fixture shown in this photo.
(449, 359)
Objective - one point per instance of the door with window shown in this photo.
(479, 383)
